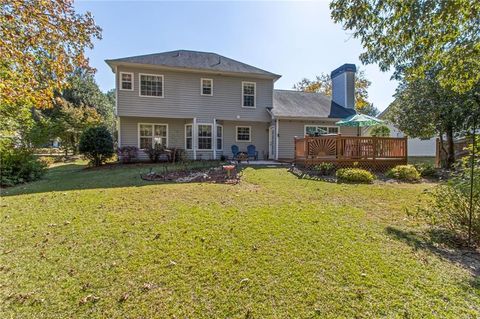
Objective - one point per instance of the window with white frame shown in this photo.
(243, 134)
(188, 137)
(248, 94)
(151, 85)
(151, 134)
(219, 137)
(204, 136)
(206, 87)
(126, 81)
(320, 130)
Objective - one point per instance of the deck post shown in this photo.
(374, 147)
(406, 149)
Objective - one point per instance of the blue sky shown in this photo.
(294, 39)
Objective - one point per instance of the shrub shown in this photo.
(354, 175)
(426, 170)
(47, 160)
(155, 152)
(404, 173)
(96, 144)
(19, 165)
(128, 154)
(324, 168)
(380, 130)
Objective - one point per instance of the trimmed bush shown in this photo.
(426, 170)
(354, 175)
(404, 173)
(47, 160)
(155, 152)
(128, 154)
(324, 168)
(96, 144)
(19, 165)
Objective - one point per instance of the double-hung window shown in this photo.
(248, 94)
(151, 85)
(204, 136)
(219, 137)
(151, 134)
(320, 130)
(244, 134)
(126, 81)
(206, 87)
(188, 137)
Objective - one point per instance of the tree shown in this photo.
(42, 42)
(423, 108)
(323, 84)
(415, 36)
(96, 143)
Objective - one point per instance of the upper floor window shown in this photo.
(151, 85)
(151, 134)
(126, 81)
(244, 134)
(320, 130)
(248, 94)
(206, 87)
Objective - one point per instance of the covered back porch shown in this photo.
(373, 153)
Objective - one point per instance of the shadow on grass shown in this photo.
(440, 243)
(75, 176)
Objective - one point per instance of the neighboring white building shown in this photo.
(416, 146)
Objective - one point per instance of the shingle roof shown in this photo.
(195, 60)
(296, 104)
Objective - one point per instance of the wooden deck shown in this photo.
(373, 153)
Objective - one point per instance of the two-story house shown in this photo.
(205, 103)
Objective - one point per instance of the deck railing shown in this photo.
(340, 148)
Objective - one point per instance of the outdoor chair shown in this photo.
(235, 151)
(252, 152)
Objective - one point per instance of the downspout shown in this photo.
(214, 137)
(276, 138)
(194, 138)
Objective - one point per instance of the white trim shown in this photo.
(201, 87)
(277, 124)
(119, 130)
(140, 85)
(116, 91)
(194, 144)
(153, 136)
(220, 149)
(185, 136)
(254, 95)
(121, 81)
(214, 141)
(208, 124)
(319, 125)
(249, 135)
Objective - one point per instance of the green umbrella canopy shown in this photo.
(359, 120)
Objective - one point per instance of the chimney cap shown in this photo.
(347, 67)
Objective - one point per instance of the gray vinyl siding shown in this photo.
(182, 98)
(176, 136)
(288, 129)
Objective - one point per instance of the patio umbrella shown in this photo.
(359, 120)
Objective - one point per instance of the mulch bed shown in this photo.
(212, 175)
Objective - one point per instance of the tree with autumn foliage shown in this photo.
(323, 84)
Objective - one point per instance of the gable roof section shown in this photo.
(296, 104)
(184, 59)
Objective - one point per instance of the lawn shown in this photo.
(106, 244)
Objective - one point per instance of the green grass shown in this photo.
(421, 160)
(105, 244)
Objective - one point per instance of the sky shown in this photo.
(294, 39)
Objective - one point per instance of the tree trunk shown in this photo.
(450, 147)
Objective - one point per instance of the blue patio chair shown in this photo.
(235, 151)
(252, 152)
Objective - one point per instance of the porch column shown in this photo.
(276, 139)
(214, 136)
(194, 138)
